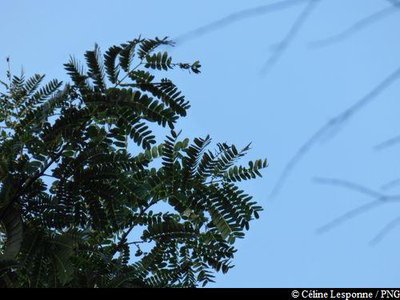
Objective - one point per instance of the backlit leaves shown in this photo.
(92, 198)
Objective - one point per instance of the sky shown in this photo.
(237, 100)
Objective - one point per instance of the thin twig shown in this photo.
(136, 242)
(391, 184)
(236, 17)
(350, 185)
(385, 231)
(388, 143)
(124, 236)
(394, 2)
(338, 120)
(349, 215)
(290, 36)
(356, 27)
(119, 82)
(379, 199)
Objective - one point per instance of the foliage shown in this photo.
(77, 196)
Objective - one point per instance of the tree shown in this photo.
(83, 181)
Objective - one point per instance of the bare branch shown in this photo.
(388, 143)
(350, 185)
(340, 119)
(394, 2)
(379, 199)
(290, 36)
(236, 17)
(349, 215)
(356, 27)
(391, 184)
(385, 231)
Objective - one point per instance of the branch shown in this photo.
(390, 184)
(136, 242)
(331, 124)
(394, 3)
(31, 180)
(356, 27)
(133, 225)
(388, 143)
(290, 36)
(379, 199)
(236, 17)
(120, 82)
(349, 215)
(14, 225)
(385, 230)
(350, 185)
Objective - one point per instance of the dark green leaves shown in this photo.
(96, 69)
(148, 46)
(126, 55)
(32, 84)
(153, 110)
(76, 72)
(110, 63)
(101, 203)
(167, 92)
(142, 135)
(159, 61)
(239, 173)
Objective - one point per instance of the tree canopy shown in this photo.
(90, 198)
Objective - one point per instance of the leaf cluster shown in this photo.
(81, 203)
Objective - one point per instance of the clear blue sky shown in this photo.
(277, 111)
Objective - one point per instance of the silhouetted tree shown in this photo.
(83, 181)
